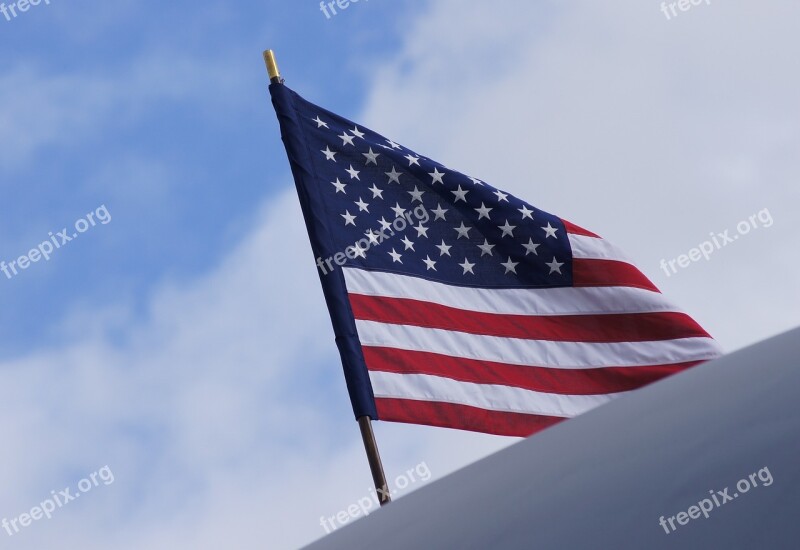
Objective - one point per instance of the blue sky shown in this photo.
(159, 111)
(186, 345)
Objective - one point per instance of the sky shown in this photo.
(180, 345)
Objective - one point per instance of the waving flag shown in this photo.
(456, 304)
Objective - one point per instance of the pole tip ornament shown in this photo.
(272, 67)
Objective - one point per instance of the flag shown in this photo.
(456, 304)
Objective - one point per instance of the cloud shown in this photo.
(221, 407)
(653, 133)
(221, 411)
(46, 109)
(181, 395)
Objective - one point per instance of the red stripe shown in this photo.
(630, 327)
(577, 230)
(462, 417)
(597, 381)
(608, 273)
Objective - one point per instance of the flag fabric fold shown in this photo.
(456, 304)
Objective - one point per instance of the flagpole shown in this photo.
(364, 422)
(374, 458)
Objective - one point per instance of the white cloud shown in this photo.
(222, 412)
(43, 109)
(222, 409)
(652, 133)
(208, 384)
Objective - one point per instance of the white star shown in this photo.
(525, 212)
(531, 247)
(339, 186)
(408, 243)
(555, 267)
(439, 212)
(372, 236)
(443, 248)
(476, 181)
(372, 157)
(416, 194)
(463, 231)
(392, 144)
(395, 256)
(346, 140)
(483, 212)
(430, 263)
(412, 159)
(357, 133)
(421, 230)
(467, 267)
(384, 224)
(362, 206)
(398, 211)
(353, 173)
(486, 248)
(319, 122)
(348, 218)
(501, 196)
(376, 193)
(394, 175)
(329, 155)
(510, 266)
(436, 175)
(507, 229)
(551, 231)
(460, 194)
(359, 252)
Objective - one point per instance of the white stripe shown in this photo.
(424, 387)
(543, 353)
(511, 301)
(593, 248)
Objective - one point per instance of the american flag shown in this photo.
(456, 304)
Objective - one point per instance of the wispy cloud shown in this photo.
(217, 398)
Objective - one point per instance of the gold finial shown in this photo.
(272, 66)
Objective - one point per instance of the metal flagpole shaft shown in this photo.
(272, 67)
(364, 422)
(375, 465)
